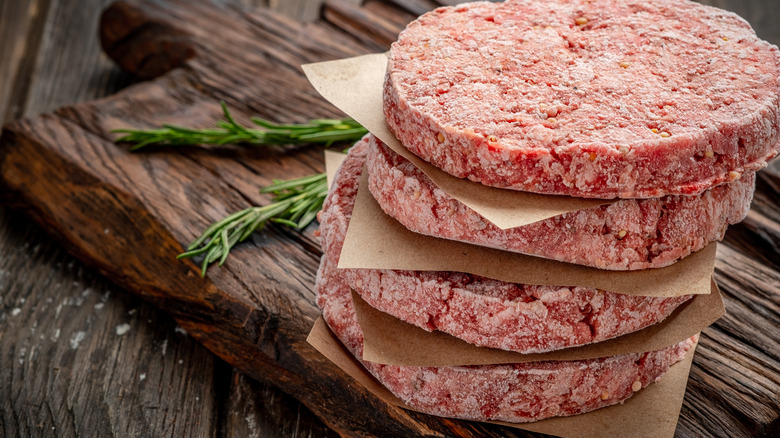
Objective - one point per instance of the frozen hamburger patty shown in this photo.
(482, 311)
(599, 99)
(510, 392)
(626, 235)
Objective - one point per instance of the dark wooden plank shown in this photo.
(20, 36)
(80, 356)
(415, 7)
(375, 31)
(762, 15)
(273, 308)
(82, 73)
(257, 409)
(397, 15)
(733, 384)
(65, 370)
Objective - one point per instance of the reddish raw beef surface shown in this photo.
(509, 392)
(601, 99)
(626, 235)
(482, 311)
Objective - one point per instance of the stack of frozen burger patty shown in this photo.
(670, 108)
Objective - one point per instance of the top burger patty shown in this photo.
(608, 99)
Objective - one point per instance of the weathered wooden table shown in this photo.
(80, 356)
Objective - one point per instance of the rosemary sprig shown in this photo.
(325, 131)
(295, 204)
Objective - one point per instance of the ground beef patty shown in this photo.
(511, 392)
(482, 311)
(603, 99)
(626, 235)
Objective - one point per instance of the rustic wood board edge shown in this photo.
(255, 326)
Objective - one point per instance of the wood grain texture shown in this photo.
(64, 370)
(257, 318)
(256, 409)
(129, 193)
(103, 360)
(20, 38)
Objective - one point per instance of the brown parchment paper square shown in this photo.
(650, 413)
(354, 85)
(388, 340)
(375, 240)
(332, 162)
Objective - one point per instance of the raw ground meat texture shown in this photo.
(601, 99)
(509, 392)
(628, 234)
(482, 311)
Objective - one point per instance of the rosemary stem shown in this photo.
(295, 203)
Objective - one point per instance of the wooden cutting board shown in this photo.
(128, 215)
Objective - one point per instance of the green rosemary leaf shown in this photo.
(228, 131)
(279, 186)
(295, 203)
(225, 246)
(287, 222)
(232, 218)
(335, 135)
(228, 116)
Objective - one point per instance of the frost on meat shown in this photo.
(629, 234)
(599, 99)
(510, 392)
(481, 311)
